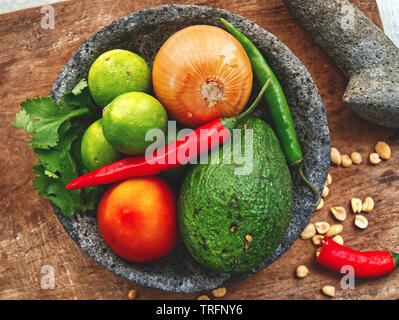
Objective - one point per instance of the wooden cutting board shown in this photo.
(31, 237)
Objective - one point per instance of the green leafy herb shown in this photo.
(57, 130)
(69, 201)
(42, 118)
(59, 159)
(79, 96)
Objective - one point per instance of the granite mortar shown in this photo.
(144, 32)
(364, 54)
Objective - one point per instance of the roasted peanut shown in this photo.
(328, 180)
(322, 227)
(309, 231)
(356, 158)
(375, 158)
(361, 221)
(132, 294)
(338, 239)
(328, 291)
(321, 204)
(339, 213)
(356, 205)
(334, 230)
(301, 271)
(383, 150)
(368, 204)
(336, 156)
(346, 161)
(325, 192)
(317, 239)
(219, 292)
(203, 297)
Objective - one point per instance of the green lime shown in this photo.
(127, 119)
(95, 149)
(116, 72)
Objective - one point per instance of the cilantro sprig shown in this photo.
(57, 130)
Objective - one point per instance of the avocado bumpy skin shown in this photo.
(232, 223)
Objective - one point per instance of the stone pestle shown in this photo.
(365, 55)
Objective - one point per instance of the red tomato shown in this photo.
(137, 218)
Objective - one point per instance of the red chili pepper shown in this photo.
(365, 264)
(201, 140)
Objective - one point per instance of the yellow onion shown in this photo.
(202, 73)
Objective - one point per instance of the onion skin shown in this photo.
(202, 73)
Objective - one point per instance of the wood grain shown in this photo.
(31, 236)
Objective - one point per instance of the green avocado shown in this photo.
(231, 219)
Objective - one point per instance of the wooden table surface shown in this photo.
(31, 236)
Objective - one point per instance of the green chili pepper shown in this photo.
(278, 106)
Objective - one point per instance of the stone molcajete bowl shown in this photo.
(144, 32)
